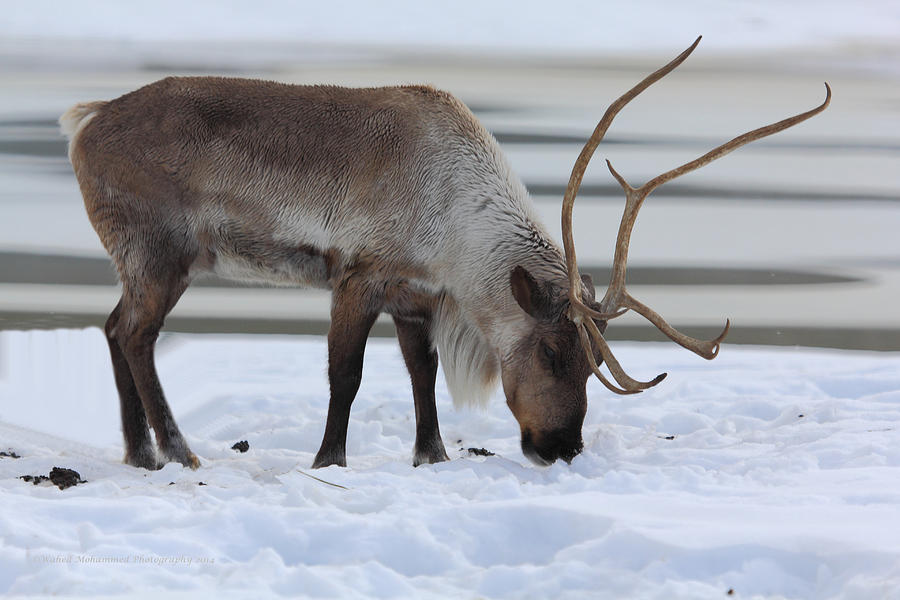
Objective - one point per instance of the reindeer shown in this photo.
(398, 201)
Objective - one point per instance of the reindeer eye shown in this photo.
(549, 352)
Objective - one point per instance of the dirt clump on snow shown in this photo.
(60, 477)
(479, 452)
(241, 446)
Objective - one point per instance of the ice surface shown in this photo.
(770, 472)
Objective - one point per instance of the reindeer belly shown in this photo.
(274, 264)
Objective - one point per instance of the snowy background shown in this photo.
(232, 35)
(767, 473)
(505, 27)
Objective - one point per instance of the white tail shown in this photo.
(73, 120)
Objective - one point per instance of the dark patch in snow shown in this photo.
(60, 477)
(35, 479)
(666, 437)
(200, 483)
(479, 452)
(241, 446)
(9, 454)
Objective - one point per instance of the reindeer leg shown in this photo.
(353, 312)
(422, 362)
(139, 449)
(141, 318)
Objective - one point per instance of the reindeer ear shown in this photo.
(531, 296)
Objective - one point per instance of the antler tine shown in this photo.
(614, 367)
(586, 345)
(708, 349)
(578, 174)
(734, 144)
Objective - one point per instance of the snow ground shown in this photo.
(781, 480)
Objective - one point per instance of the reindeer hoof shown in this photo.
(180, 454)
(192, 461)
(431, 454)
(326, 459)
(187, 459)
(145, 458)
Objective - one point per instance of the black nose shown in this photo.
(544, 449)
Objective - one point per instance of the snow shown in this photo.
(470, 26)
(780, 480)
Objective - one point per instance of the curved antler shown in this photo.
(617, 300)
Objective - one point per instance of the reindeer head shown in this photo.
(545, 388)
(544, 380)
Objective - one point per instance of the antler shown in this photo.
(617, 300)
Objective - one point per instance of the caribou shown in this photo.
(398, 201)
